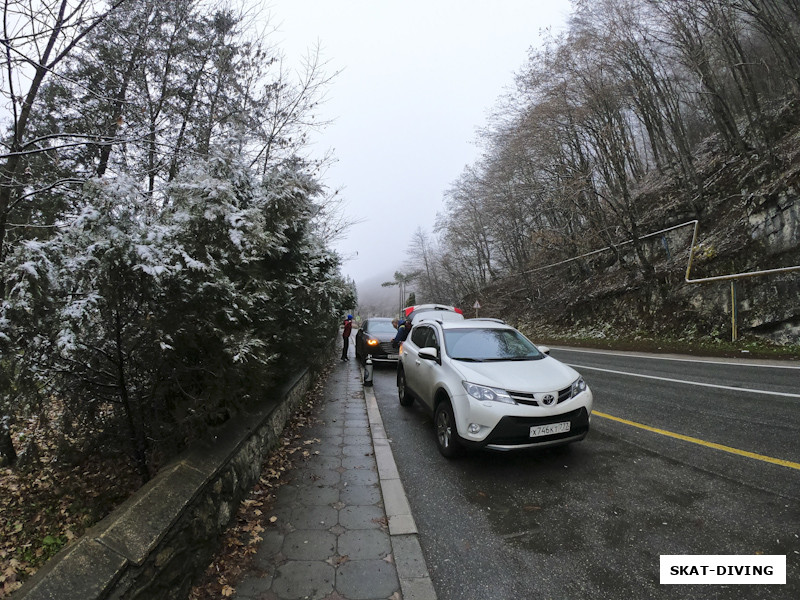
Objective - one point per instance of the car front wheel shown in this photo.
(406, 399)
(446, 433)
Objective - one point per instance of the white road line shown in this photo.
(709, 385)
(661, 357)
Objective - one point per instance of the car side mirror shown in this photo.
(429, 353)
(544, 350)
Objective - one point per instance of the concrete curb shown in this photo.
(415, 581)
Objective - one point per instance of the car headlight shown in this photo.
(481, 392)
(578, 386)
(372, 342)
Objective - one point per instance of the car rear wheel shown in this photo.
(406, 399)
(446, 433)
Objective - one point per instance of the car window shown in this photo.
(379, 327)
(430, 338)
(419, 336)
(479, 345)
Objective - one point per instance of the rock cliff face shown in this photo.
(770, 305)
(776, 222)
(748, 214)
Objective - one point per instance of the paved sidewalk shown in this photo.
(344, 529)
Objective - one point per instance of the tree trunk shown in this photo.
(135, 430)
(119, 105)
(8, 455)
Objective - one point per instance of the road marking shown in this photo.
(686, 438)
(693, 360)
(670, 380)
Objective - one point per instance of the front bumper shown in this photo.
(502, 431)
(514, 432)
(383, 352)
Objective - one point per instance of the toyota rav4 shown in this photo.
(488, 386)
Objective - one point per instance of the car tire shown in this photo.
(446, 433)
(406, 399)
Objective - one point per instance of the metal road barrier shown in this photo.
(732, 277)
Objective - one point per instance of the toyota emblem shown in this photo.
(548, 399)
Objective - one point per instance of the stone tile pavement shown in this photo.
(344, 529)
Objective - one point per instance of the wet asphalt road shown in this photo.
(592, 519)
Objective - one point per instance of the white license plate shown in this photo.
(550, 429)
(393, 356)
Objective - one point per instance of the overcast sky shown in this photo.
(418, 78)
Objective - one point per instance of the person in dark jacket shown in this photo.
(348, 327)
(402, 333)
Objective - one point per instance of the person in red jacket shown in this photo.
(348, 327)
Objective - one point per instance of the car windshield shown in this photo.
(380, 327)
(480, 345)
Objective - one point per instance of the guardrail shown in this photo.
(732, 277)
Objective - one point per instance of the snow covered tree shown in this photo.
(37, 39)
(143, 330)
(77, 319)
(153, 283)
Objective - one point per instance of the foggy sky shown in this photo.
(417, 80)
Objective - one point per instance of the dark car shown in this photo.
(375, 338)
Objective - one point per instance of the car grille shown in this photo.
(526, 398)
(515, 431)
(564, 394)
(523, 398)
(381, 351)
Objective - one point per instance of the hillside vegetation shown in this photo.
(644, 115)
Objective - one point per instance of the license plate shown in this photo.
(550, 429)
(393, 356)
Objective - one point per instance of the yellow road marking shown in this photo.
(686, 438)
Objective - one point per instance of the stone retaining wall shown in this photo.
(160, 539)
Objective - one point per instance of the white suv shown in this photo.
(488, 386)
(433, 311)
